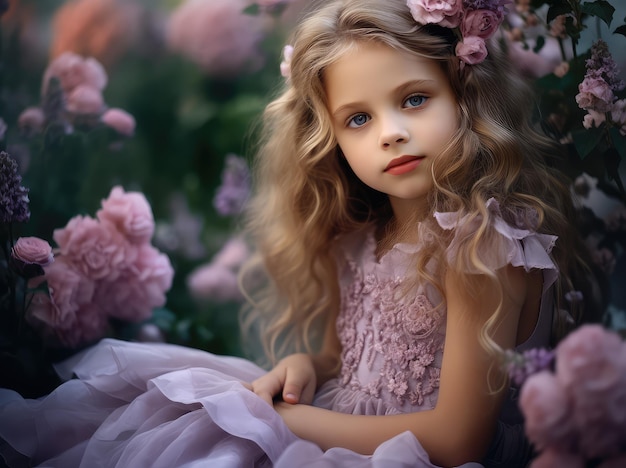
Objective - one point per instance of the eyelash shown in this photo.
(351, 120)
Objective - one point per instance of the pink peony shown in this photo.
(472, 50)
(142, 288)
(546, 408)
(90, 325)
(119, 120)
(480, 23)
(216, 35)
(73, 70)
(130, 213)
(214, 282)
(551, 458)
(84, 99)
(32, 250)
(446, 13)
(96, 249)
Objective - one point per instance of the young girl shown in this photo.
(408, 231)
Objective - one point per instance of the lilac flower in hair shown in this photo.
(13, 196)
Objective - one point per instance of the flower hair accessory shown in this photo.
(475, 21)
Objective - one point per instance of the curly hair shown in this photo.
(306, 195)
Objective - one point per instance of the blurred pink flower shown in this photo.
(97, 249)
(85, 99)
(73, 70)
(119, 120)
(134, 295)
(547, 411)
(561, 69)
(130, 213)
(285, 65)
(32, 250)
(551, 458)
(214, 282)
(216, 35)
(31, 121)
(234, 253)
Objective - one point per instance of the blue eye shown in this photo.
(415, 101)
(358, 120)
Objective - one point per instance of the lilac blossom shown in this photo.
(13, 196)
(521, 366)
(232, 195)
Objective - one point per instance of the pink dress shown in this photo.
(161, 405)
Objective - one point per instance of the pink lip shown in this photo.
(403, 164)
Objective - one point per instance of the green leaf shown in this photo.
(619, 141)
(558, 9)
(252, 10)
(621, 29)
(600, 8)
(586, 141)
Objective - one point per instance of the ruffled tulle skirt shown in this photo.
(160, 405)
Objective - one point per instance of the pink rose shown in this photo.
(480, 23)
(73, 70)
(32, 250)
(596, 94)
(551, 458)
(472, 50)
(89, 326)
(96, 249)
(84, 99)
(133, 296)
(119, 120)
(547, 410)
(446, 13)
(130, 213)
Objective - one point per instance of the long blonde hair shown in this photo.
(306, 195)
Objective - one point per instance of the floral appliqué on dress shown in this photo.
(400, 336)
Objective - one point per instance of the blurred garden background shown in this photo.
(104, 98)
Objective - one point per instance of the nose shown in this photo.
(393, 131)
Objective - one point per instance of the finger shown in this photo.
(295, 384)
(267, 387)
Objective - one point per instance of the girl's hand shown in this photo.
(294, 376)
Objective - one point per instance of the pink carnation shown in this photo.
(480, 23)
(130, 213)
(472, 50)
(446, 13)
(73, 70)
(216, 35)
(134, 295)
(546, 408)
(84, 99)
(32, 250)
(96, 249)
(119, 120)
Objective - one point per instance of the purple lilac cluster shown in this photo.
(232, 195)
(520, 366)
(13, 196)
(597, 90)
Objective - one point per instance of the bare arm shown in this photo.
(459, 429)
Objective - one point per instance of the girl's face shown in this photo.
(392, 114)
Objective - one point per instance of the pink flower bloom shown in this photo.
(130, 213)
(214, 282)
(234, 253)
(546, 408)
(90, 325)
(285, 65)
(472, 50)
(119, 120)
(551, 458)
(216, 35)
(561, 70)
(593, 119)
(31, 120)
(96, 249)
(446, 13)
(32, 250)
(134, 295)
(84, 99)
(595, 93)
(480, 23)
(73, 70)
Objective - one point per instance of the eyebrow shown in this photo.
(350, 106)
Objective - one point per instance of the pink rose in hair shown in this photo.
(32, 250)
(85, 99)
(446, 13)
(96, 249)
(472, 50)
(480, 23)
(73, 70)
(547, 410)
(119, 120)
(130, 213)
(133, 295)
